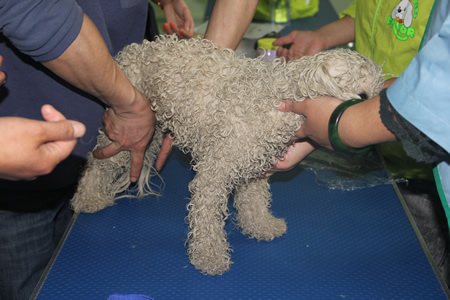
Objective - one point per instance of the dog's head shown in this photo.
(403, 12)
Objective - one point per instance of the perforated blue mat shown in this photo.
(352, 245)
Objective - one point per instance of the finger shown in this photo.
(173, 26)
(166, 148)
(267, 175)
(166, 29)
(282, 52)
(51, 114)
(283, 40)
(188, 29)
(294, 106)
(107, 151)
(137, 160)
(61, 131)
(293, 55)
(285, 106)
(57, 151)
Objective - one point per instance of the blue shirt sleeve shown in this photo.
(42, 29)
(422, 93)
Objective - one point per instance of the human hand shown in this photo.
(303, 43)
(179, 19)
(131, 130)
(294, 155)
(31, 148)
(317, 113)
(166, 148)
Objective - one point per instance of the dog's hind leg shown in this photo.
(252, 202)
(208, 248)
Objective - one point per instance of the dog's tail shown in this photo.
(104, 179)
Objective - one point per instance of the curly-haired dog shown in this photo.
(221, 108)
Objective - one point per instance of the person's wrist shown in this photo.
(333, 129)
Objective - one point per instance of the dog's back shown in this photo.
(210, 98)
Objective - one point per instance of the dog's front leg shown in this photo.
(252, 202)
(208, 248)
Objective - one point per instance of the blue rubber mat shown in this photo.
(340, 245)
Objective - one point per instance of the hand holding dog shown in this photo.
(360, 126)
(130, 129)
(317, 113)
(294, 155)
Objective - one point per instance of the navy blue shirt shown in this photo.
(38, 31)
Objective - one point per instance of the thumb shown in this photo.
(50, 114)
(291, 106)
(62, 131)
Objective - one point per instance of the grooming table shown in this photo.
(340, 244)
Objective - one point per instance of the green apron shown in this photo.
(391, 36)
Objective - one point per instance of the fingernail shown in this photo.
(78, 129)
(172, 24)
(165, 26)
(281, 105)
(181, 31)
(133, 179)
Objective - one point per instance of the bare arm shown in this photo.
(360, 124)
(229, 21)
(130, 122)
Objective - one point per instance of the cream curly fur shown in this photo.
(221, 108)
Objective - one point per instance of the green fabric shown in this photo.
(445, 203)
(384, 39)
(299, 9)
(391, 43)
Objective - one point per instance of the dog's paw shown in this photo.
(211, 263)
(210, 256)
(266, 230)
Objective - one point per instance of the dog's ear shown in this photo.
(408, 15)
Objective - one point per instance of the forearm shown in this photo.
(361, 125)
(339, 32)
(229, 21)
(88, 65)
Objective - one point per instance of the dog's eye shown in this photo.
(399, 10)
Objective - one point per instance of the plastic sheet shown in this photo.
(346, 172)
